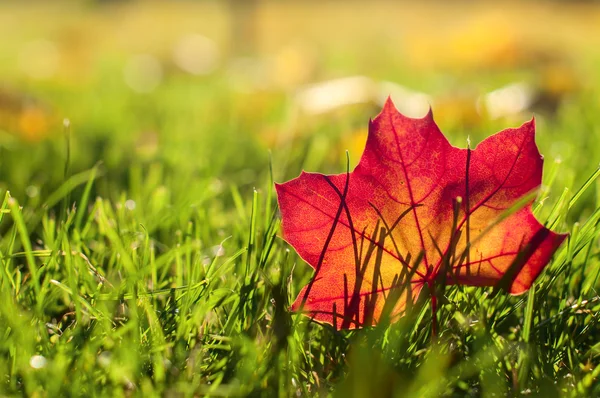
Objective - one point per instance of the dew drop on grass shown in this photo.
(104, 359)
(216, 186)
(38, 362)
(130, 204)
(32, 191)
(218, 251)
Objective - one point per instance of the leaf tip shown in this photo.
(279, 186)
(429, 115)
(389, 106)
(529, 126)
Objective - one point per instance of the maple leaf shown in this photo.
(414, 212)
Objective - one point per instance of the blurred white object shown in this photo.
(331, 94)
(143, 73)
(196, 54)
(508, 100)
(410, 103)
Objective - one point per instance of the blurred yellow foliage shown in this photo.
(24, 117)
(459, 109)
(558, 79)
(294, 64)
(33, 123)
(354, 143)
(487, 41)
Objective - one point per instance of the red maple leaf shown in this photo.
(414, 211)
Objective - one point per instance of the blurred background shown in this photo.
(172, 112)
(168, 94)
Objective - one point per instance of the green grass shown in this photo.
(140, 251)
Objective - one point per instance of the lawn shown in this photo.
(140, 243)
